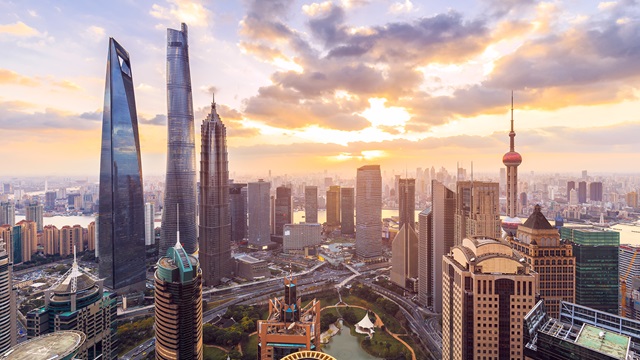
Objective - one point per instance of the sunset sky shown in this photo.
(305, 86)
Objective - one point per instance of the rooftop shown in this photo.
(56, 345)
(603, 341)
(537, 220)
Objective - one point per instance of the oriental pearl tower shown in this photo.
(511, 160)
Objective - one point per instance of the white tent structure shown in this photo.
(365, 326)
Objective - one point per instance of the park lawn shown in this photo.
(389, 321)
(250, 346)
(385, 346)
(213, 353)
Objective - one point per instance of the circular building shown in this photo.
(308, 355)
(60, 345)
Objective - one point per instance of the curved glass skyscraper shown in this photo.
(181, 161)
(121, 210)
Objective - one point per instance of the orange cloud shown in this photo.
(19, 29)
(13, 78)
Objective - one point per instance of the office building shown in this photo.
(283, 209)
(426, 275)
(512, 160)
(180, 181)
(571, 185)
(61, 345)
(178, 310)
(238, 211)
(121, 209)
(250, 268)
(258, 211)
(407, 202)
(78, 301)
(289, 327)
(443, 207)
(477, 210)
(596, 252)
(50, 200)
(369, 212)
(8, 309)
(311, 204)
(215, 222)
(629, 269)
(149, 224)
(7, 214)
(579, 333)
(297, 237)
(582, 192)
(595, 191)
(404, 257)
(347, 211)
(333, 206)
(487, 290)
(552, 258)
(35, 212)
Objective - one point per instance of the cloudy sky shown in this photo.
(306, 86)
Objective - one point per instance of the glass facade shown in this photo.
(181, 160)
(215, 223)
(121, 210)
(368, 212)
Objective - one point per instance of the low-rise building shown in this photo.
(250, 268)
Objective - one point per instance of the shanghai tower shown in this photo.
(215, 222)
(121, 209)
(181, 161)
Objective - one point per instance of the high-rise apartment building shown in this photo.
(35, 212)
(178, 310)
(149, 224)
(426, 276)
(50, 200)
(180, 181)
(258, 210)
(333, 206)
(283, 209)
(582, 192)
(369, 212)
(238, 211)
(487, 291)
(8, 310)
(51, 240)
(215, 223)
(477, 210)
(26, 235)
(443, 207)
(347, 211)
(595, 191)
(552, 258)
(407, 202)
(311, 204)
(7, 214)
(121, 209)
(90, 236)
(78, 301)
(596, 252)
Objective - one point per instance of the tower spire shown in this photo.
(512, 133)
(178, 245)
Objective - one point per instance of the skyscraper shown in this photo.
(35, 212)
(178, 310)
(487, 291)
(149, 224)
(311, 204)
(121, 210)
(443, 207)
(552, 258)
(238, 211)
(347, 211)
(7, 213)
(477, 210)
(582, 192)
(369, 212)
(78, 301)
(333, 205)
(595, 191)
(283, 209)
(7, 302)
(426, 277)
(511, 160)
(407, 202)
(571, 185)
(258, 210)
(215, 224)
(50, 200)
(180, 182)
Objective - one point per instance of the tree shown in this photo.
(326, 320)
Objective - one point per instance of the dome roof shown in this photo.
(512, 158)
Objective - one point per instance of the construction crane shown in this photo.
(623, 285)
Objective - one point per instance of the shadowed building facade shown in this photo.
(258, 211)
(283, 209)
(180, 182)
(311, 204)
(404, 249)
(238, 211)
(121, 210)
(477, 210)
(215, 224)
(8, 309)
(347, 211)
(178, 306)
(369, 212)
(333, 206)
